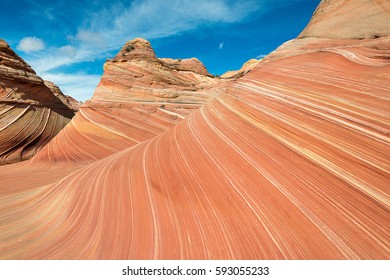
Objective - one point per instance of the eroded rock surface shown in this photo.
(289, 161)
(32, 111)
(245, 69)
(139, 97)
(353, 19)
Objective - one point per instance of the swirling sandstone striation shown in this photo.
(32, 111)
(245, 69)
(290, 161)
(139, 97)
(343, 19)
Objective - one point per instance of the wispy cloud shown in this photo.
(221, 46)
(108, 27)
(48, 13)
(68, 51)
(79, 85)
(260, 56)
(156, 19)
(56, 57)
(30, 44)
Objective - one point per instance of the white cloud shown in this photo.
(78, 85)
(91, 38)
(150, 19)
(30, 44)
(221, 46)
(50, 60)
(260, 56)
(68, 51)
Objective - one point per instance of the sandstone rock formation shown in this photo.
(290, 161)
(245, 69)
(139, 97)
(32, 111)
(344, 19)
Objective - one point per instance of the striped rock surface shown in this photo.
(349, 19)
(32, 111)
(289, 161)
(139, 97)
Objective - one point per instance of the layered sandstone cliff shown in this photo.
(32, 111)
(245, 69)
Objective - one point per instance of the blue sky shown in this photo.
(68, 41)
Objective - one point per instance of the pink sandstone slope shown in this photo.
(288, 161)
(139, 97)
(343, 19)
(245, 69)
(32, 111)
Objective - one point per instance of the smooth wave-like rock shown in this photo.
(352, 19)
(245, 69)
(289, 161)
(139, 97)
(32, 111)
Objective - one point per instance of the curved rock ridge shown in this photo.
(139, 97)
(290, 161)
(245, 69)
(140, 49)
(349, 19)
(20, 83)
(32, 111)
(11, 60)
(365, 51)
(69, 101)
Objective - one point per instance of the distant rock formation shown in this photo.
(289, 161)
(69, 101)
(245, 69)
(32, 111)
(349, 19)
(139, 97)
(136, 74)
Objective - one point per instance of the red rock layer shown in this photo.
(288, 162)
(32, 111)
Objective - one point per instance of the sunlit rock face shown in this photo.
(139, 97)
(245, 69)
(32, 111)
(350, 19)
(289, 160)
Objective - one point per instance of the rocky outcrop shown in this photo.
(245, 69)
(289, 161)
(69, 101)
(349, 19)
(136, 74)
(32, 111)
(139, 97)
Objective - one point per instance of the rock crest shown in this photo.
(349, 19)
(136, 49)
